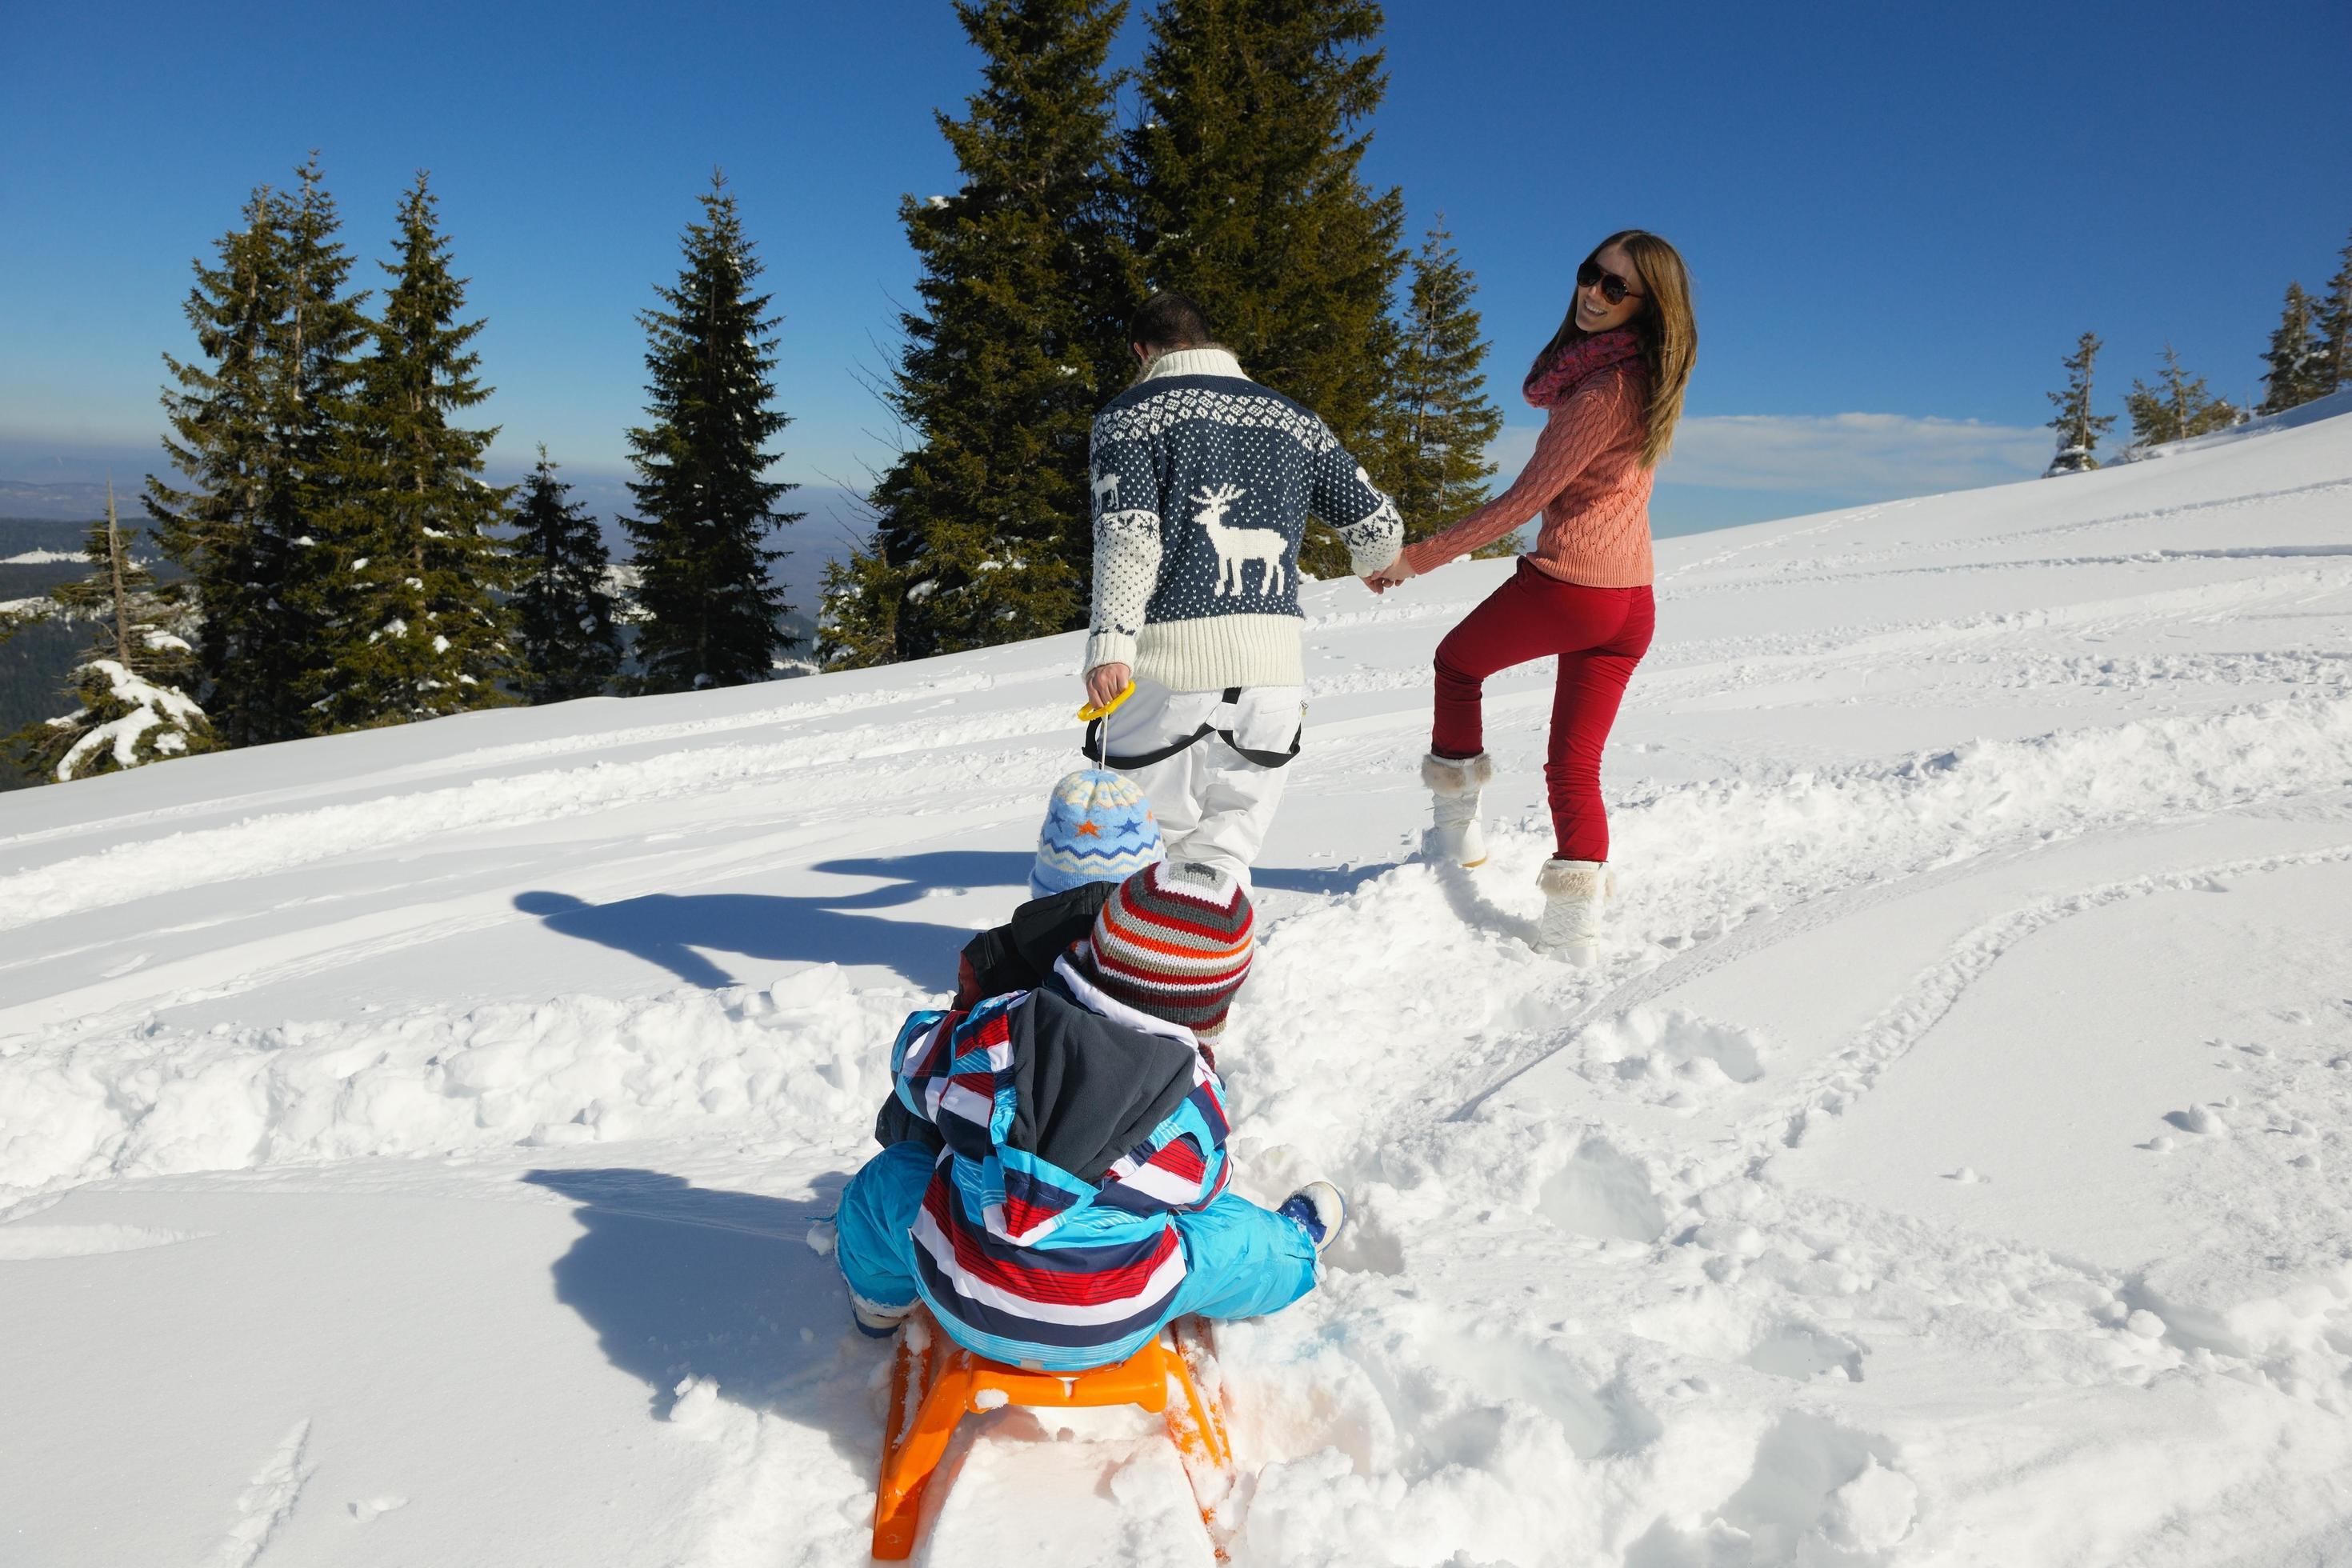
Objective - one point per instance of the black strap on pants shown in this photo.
(1097, 748)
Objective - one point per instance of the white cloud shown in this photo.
(1869, 456)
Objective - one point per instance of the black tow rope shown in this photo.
(1098, 747)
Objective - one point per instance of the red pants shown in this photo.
(1600, 635)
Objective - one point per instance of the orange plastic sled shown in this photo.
(934, 1382)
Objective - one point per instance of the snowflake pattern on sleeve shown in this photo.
(1127, 545)
(1344, 490)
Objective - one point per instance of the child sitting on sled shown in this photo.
(1064, 1193)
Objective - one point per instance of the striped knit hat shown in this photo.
(1098, 828)
(1175, 941)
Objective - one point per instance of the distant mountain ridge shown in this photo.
(42, 535)
(66, 500)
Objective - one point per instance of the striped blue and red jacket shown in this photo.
(1073, 1129)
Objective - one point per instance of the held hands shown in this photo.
(1105, 681)
(1397, 570)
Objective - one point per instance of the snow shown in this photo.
(415, 1144)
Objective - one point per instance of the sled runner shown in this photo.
(933, 1382)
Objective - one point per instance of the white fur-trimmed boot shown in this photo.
(1573, 893)
(1453, 784)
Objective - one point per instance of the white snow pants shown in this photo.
(1213, 803)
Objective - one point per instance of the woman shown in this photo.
(1613, 379)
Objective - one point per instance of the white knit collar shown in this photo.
(1097, 1000)
(1194, 362)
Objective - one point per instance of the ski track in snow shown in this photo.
(1593, 1305)
(268, 1501)
(28, 1243)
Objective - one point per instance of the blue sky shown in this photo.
(1899, 217)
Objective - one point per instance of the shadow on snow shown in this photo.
(683, 1281)
(677, 929)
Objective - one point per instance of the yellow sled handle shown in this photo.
(1090, 712)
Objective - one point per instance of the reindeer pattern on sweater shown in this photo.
(1203, 484)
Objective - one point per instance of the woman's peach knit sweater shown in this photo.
(1586, 478)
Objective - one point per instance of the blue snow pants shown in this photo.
(1240, 1261)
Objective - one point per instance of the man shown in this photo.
(1203, 481)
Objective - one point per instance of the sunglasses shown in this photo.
(1613, 289)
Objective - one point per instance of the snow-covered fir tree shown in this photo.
(2333, 370)
(2078, 429)
(1442, 421)
(712, 615)
(983, 528)
(402, 577)
(1248, 196)
(130, 690)
(254, 426)
(563, 605)
(2295, 377)
(2176, 407)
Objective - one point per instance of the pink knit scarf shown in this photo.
(1553, 378)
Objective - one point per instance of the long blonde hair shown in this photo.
(1665, 329)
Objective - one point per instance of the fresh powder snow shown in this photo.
(415, 1144)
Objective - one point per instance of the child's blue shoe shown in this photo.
(1319, 1209)
(875, 1321)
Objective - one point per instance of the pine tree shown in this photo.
(1247, 196)
(2334, 371)
(2295, 377)
(984, 526)
(222, 418)
(1441, 422)
(255, 437)
(2175, 408)
(131, 691)
(2078, 429)
(315, 352)
(403, 571)
(712, 616)
(563, 604)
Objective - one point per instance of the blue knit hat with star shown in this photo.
(1098, 828)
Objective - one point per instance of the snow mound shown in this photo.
(803, 1056)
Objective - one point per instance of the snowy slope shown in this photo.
(407, 1139)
